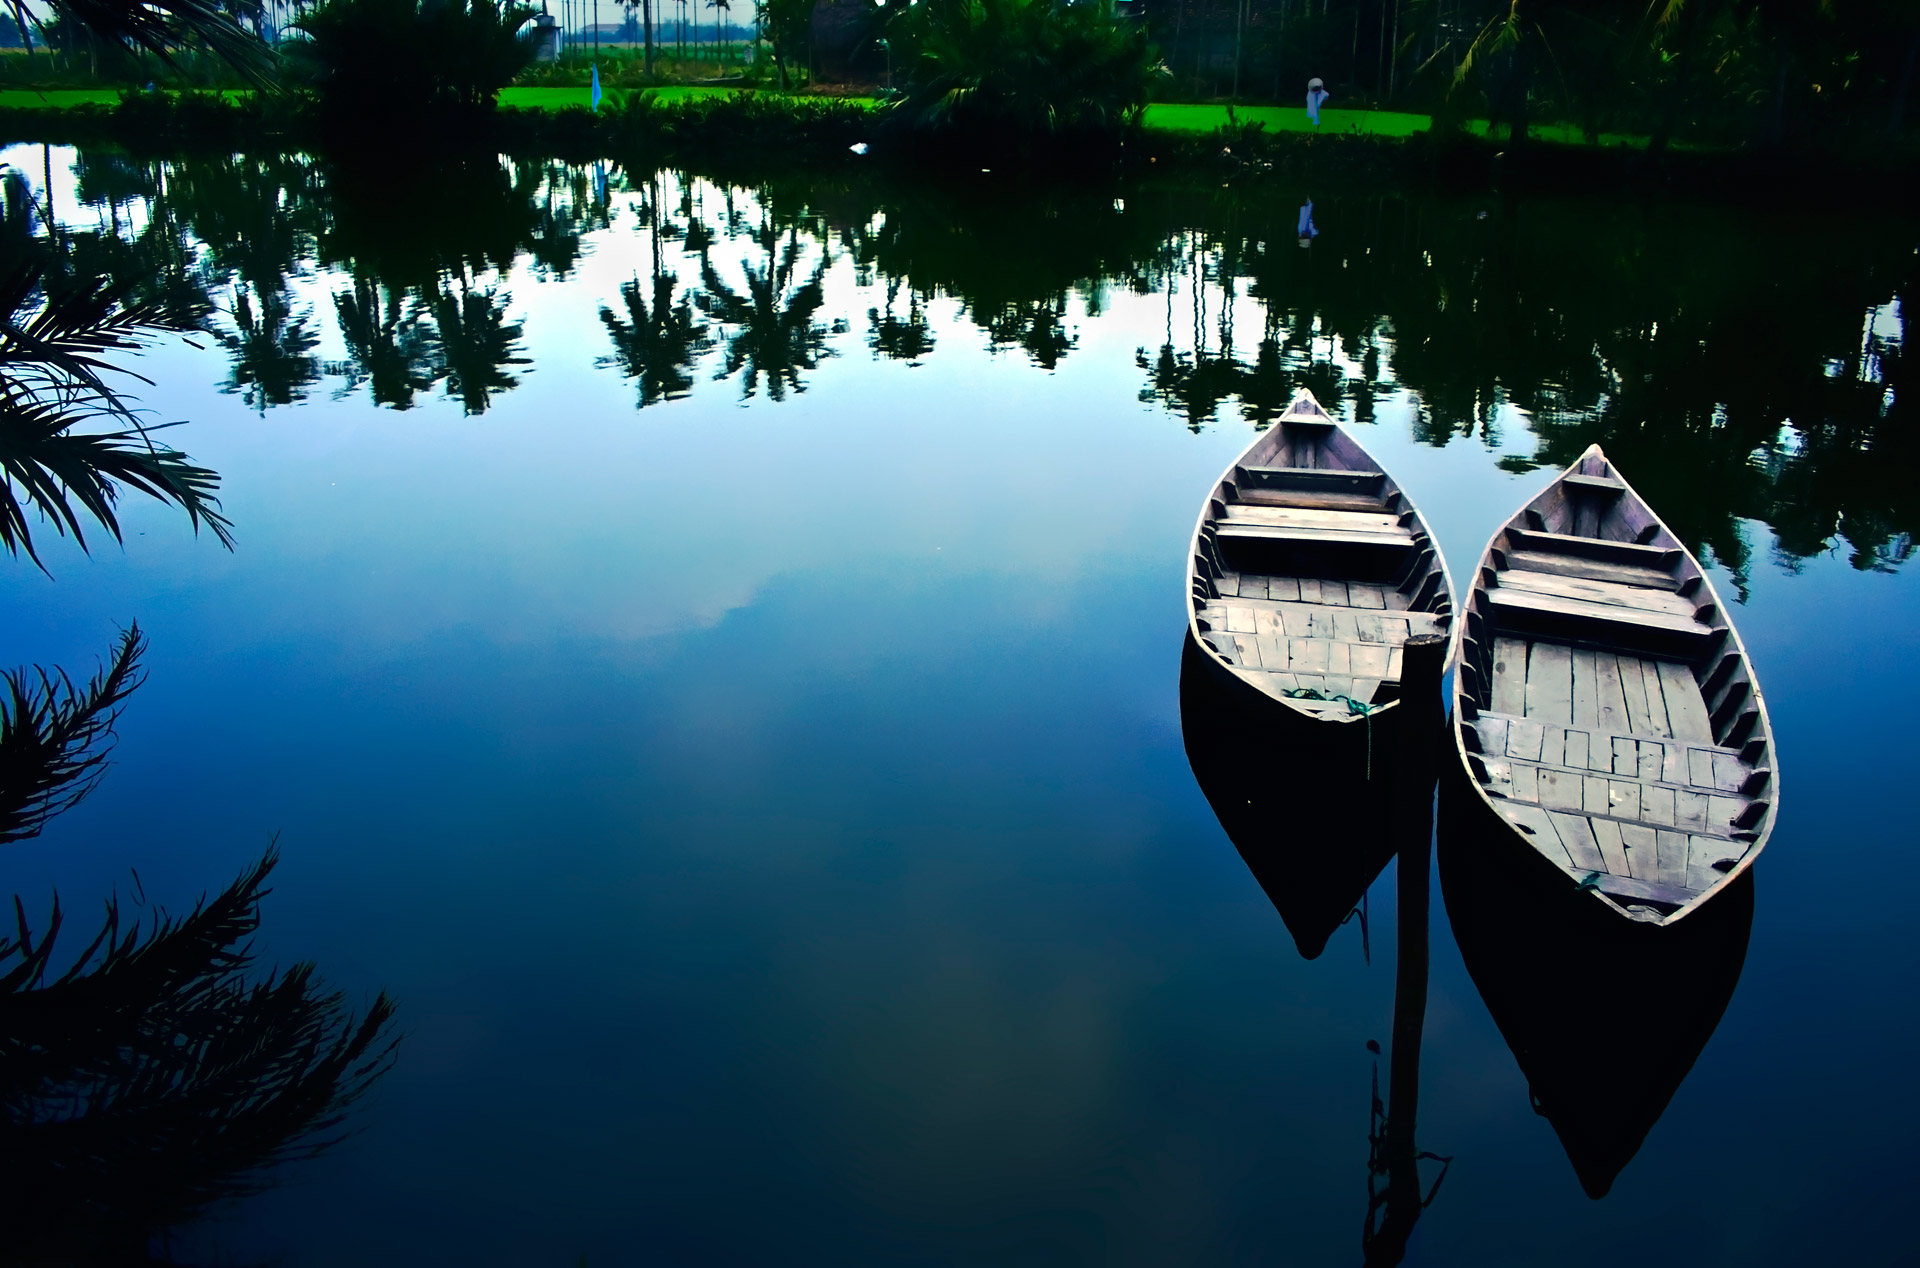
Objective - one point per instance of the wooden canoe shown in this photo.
(1601, 1079)
(1309, 569)
(1292, 808)
(1607, 710)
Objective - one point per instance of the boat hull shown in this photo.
(1600, 1072)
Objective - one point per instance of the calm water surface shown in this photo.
(712, 651)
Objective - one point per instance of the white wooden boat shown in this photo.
(1607, 710)
(1309, 570)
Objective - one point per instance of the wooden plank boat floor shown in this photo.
(1612, 758)
(1338, 637)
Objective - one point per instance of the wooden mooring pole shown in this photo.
(1416, 770)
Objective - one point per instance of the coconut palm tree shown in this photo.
(56, 334)
(657, 342)
(164, 27)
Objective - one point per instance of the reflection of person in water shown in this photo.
(1307, 230)
(1316, 93)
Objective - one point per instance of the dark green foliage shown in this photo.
(384, 62)
(1021, 72)
(150, 1077)
(787, 26)
(55, 333)
(165, 28)
(54, 737)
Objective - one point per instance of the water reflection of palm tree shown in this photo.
(477, 343)
(908, 338)
(153, 1073)
(390, 345)
(773, 335)
(272, 346)
(656, 343)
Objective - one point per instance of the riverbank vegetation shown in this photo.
(981, 76)
(1658, 331)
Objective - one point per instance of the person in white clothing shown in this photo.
(1316, 93)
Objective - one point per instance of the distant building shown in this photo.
(546, 37)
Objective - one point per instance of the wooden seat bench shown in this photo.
(1532, 609)
(1539, 561)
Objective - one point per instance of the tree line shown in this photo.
(1712, 345)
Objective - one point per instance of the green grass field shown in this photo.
(55, 98)
(561, 98)
(1170, 117)
(1173, 117)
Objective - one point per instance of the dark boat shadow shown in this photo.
(1305, 819)
(1547, 961)
(1316, 828)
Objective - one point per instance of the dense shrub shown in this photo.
(373, 60)
(1030, 72)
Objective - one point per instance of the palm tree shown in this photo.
(162, 27)
(723, 18)
(55, 334)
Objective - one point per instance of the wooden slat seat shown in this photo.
(1591, 569)
(1533, 610)
(1308, 499)
(1241, 531)
(1601, 485)
(1655, 806)
(1644, 598)
(1608, 551)
(1510, 733)
(1311, 479)
(1303, 517)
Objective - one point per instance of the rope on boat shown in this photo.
(1359, 708)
